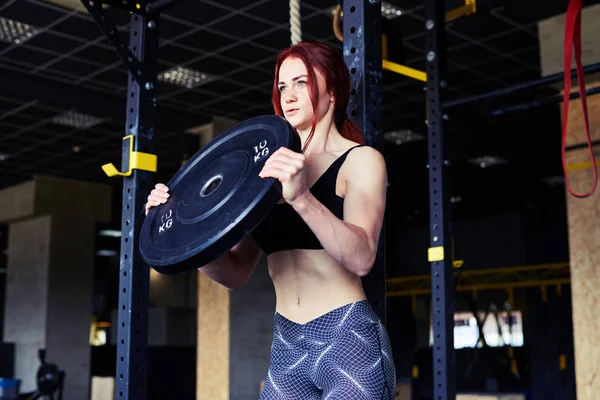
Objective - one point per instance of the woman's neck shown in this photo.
(325, 138)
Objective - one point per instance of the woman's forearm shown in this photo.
(224, 271)
(233, 268)
(348, 244)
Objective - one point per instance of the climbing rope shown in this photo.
(337, 24)
(295, 22)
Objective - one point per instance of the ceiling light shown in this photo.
(76, 120)
(402, 136)
(487, 161)
(107, 253)
(110, 233)
(15, 32)
(389, 11)
(554, 180)
(72, 5)
(184, 77)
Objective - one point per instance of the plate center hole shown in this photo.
(212, 185)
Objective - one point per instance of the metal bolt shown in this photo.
(430, 56)
(151, 24)
(446, 162)
(429, 24)
(149, 86)
(443, 84)
(445, 117)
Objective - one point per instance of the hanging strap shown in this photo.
(573, 38)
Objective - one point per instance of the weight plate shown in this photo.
(217, 197)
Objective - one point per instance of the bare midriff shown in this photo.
(309, 284)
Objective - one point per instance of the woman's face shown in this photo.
(295, 99)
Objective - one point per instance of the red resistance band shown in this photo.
(573, 37)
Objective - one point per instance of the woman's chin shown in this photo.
(300, 125)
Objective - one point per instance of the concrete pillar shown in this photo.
(50, 275)
(583, 213)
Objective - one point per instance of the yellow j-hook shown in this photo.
(134, 160)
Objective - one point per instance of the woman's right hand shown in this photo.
(158, 196)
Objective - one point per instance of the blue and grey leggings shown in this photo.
(344, 354)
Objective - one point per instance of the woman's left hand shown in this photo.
(287, 166)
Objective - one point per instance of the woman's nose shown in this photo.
(289, 96)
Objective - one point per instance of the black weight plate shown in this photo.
(217, 197)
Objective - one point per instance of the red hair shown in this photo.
(331, 65)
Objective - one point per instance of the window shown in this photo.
(466, 333)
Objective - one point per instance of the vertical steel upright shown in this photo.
(141, 59)
(362, 53)
(132, 354)
(442, 287)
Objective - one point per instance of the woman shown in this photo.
(320, 240)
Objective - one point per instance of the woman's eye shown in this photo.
(281, 88)
(301, 83)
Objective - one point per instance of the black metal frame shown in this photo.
(362, 49)
(141, 58)
(362, 53)
(442, 286)
(544, 101)
(536, 83)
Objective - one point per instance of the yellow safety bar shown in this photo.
(470, 7)
(137, 160)
(404, 70)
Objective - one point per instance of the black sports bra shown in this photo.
(284, 229)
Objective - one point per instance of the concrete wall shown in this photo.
(49, 277)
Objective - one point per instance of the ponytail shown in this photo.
(351, 131)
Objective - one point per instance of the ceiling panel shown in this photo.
(237, 42)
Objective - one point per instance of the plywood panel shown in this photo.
(551, 34)
(584, 249)
(403, 391)
(212, 367)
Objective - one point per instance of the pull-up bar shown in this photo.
(159, 5)
(521, 86)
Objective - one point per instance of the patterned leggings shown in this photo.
(344, 354)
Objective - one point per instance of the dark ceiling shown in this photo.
(69, 66)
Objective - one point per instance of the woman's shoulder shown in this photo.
(363, 153)
(364, 159)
